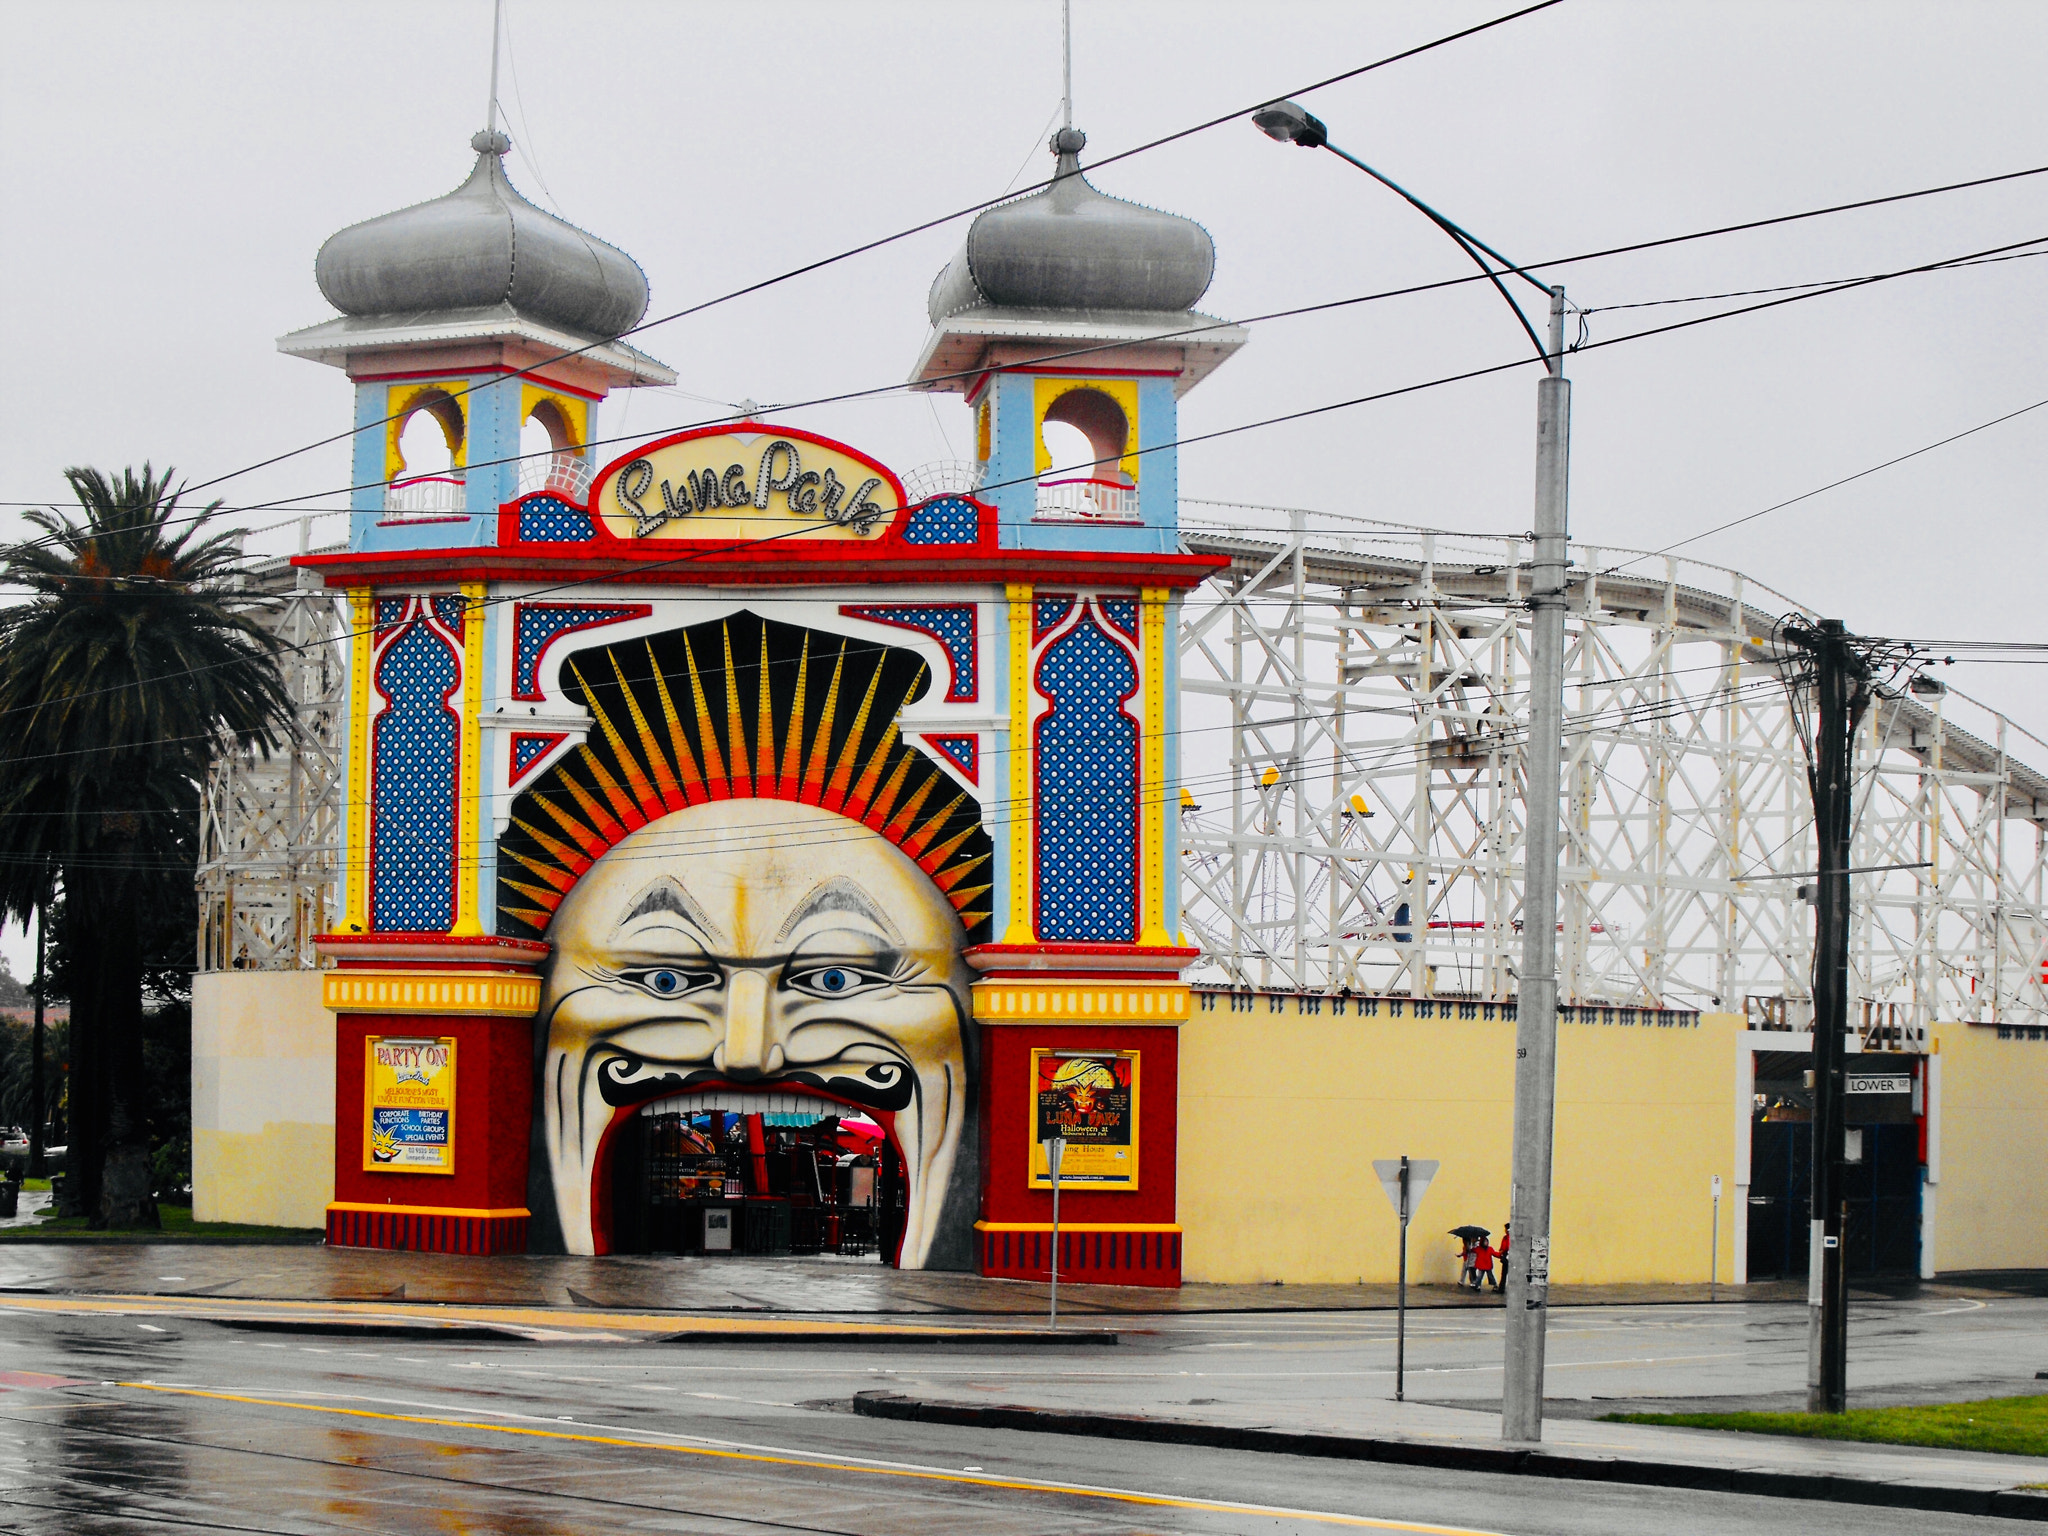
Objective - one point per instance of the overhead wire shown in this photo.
(738, 414)
(879, 243)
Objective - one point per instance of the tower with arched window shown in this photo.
(1067, 323)
(481, 333)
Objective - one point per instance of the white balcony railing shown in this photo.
(561, 474)
(429, 496)
(1086, 501)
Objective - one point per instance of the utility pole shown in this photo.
(1528, 1283)
(1841, 690)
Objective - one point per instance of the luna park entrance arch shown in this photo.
(768, 1174)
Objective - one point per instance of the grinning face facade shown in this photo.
(756, 942)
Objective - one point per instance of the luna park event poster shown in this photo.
(1092, 1102)
(409, 1094)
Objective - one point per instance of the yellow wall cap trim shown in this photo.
(458, 992)
(429, 1210)
(1001, 1001)
(1077, 1226)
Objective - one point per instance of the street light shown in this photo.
(1528, 1283)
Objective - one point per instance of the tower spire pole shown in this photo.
(1066, 63)
(497, 31)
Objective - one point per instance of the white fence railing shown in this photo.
(1086, 501)
(428, 496)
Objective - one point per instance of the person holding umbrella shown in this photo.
(1469, 1238)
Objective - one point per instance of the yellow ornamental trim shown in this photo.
(452, 992)
(1011, 1002)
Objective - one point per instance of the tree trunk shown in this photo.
(126, 1192)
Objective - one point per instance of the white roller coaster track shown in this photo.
(1352, 708)
(1364, 830)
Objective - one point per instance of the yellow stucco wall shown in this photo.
(262, 1098)
(1283, 1113)
(1990, 1197)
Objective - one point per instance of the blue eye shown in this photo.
(836, 981)
(665, 981)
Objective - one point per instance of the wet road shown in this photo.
(115, 1423)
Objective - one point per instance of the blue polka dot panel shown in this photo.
(449, 608)
(412, 808)
(551, 520)
(1122, 612)
(945, 520)
(536, 626)
(1050, 613)
(1087, 790)
(963, 752)
(951, 624)
(529, 748)
(389, 611)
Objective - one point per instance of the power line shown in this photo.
(1860, 474)
(1327, 305)
(916, 229)
(594, 578)
(1745, 293)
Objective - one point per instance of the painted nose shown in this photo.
(747, 1051)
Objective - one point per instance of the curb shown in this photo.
(898, 1338)
(1463, 1458)
(453, 1333)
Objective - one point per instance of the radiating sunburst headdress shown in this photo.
(800, 715)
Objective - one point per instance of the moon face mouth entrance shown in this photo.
(756, 1170)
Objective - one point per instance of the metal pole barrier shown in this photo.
(1528, 1283)
(38, 1166)
(1401, 1299)
(1714, 1247)
(1054, 1146)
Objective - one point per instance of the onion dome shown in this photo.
(483, 245)
(1068, 247)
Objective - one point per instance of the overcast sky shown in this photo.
(171, 168)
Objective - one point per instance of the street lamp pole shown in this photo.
(1528, 1282)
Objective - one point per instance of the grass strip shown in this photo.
(2008, 1426)
(177, 1224)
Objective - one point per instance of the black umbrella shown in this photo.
(1471, 1234)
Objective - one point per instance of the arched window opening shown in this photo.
(549, 456)
(1085, 436)
(428, 481)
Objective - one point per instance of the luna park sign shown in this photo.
(746, 485)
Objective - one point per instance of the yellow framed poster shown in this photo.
(409, 1104)
(1091, 1099)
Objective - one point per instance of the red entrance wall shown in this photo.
(481, 1206)
(1115, 1257)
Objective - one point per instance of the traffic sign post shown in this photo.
(1054, 1147)
(1405, 1179)
(1714, 1246)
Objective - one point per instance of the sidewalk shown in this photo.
(814, 1286)
(1428, 1435)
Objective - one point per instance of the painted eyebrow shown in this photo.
(838, 894)
(665, 895)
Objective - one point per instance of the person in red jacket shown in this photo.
(1507, 1239)
(1482, 1261)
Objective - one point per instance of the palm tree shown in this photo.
(127, 668)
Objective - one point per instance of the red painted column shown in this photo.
(480, 994)
(1110, 1236)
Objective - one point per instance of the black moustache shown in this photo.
(623, 1079)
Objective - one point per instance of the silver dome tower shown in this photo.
(483, 245)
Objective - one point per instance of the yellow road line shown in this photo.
(207, 1307)
(920, 1474)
